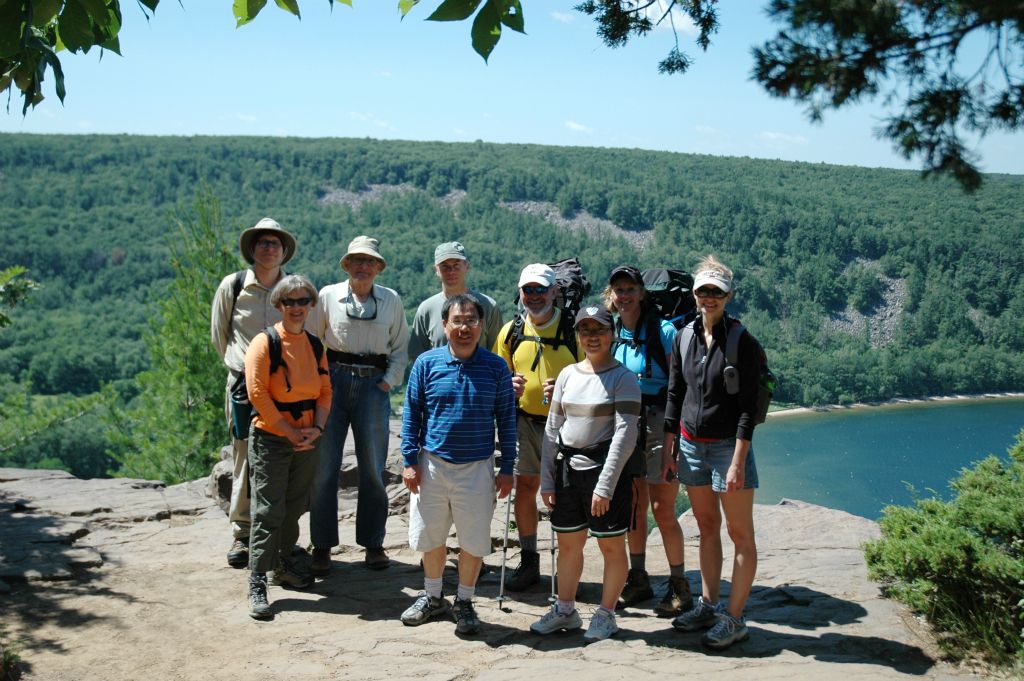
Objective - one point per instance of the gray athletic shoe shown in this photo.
(602, 626)
(466, 620)
(701, 616)
(727, 630)
(553, 621)
(424, 609)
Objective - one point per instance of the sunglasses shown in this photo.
(710, 293)
(299, 302)
(535, 290)
(269, 244)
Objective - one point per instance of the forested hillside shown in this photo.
(862, 284)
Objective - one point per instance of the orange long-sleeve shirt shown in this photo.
(301, 368)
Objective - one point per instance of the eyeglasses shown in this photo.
(535, 290)
(592, 330)
(470, 323)
(355, 311)
(362, 260)
(710, 293)
(297, 302)
(270, 244)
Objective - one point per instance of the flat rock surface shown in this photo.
(124, 579)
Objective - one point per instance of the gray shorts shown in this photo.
(655, 443)
(530, 434)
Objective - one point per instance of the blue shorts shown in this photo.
(707, 463)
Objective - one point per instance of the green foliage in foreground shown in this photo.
(175, 426)
(961, 563)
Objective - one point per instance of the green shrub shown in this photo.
(961, 563)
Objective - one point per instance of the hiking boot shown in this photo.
(290, 575)
(259, 606)
(320, 566)
(727, 630)
(701, 616)
(466, 621)
(554, 621)
(238, 554)
(637, 590)
(424, 609)
(376, 558)
(602, 626)
(677, 598)
(527, 574)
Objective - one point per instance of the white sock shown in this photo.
(465, 593)
(432, 586)
(565, 607)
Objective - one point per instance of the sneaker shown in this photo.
(290, 575)
(320, 566)
(466, 621)
(259, 606)
(527, 574)
(376, 558)
(701, 616)
(554, 621)
(238, 554)
(602, 625)
(637, 590)
(677, 598)
(425, 608)
(727, 630)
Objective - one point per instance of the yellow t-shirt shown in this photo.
(551, 362)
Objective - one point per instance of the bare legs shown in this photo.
(738, 507)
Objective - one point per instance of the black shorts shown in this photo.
(572, 504)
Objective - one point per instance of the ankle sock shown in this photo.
(528, 542)
(432, 586)
(564, 607)
(638, 561)
(465, 593)
(677, 570)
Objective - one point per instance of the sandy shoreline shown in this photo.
(896, 401)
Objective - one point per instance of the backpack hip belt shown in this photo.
(352, 359)
(297, 408)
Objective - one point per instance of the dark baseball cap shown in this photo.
(627, 271)
(599, 313)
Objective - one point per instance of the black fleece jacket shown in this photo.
(696, 386)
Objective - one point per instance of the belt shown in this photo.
(364, 372)
(378, 361)
(532, 417)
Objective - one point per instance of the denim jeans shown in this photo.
(358, 403)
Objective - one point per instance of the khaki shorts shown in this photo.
(655, 444)
(530, 434)
(459, 493)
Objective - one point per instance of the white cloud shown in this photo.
(578, 127)
(781, 140)
(384, 74)
(367, 117)
(677, 19)
(563, 17)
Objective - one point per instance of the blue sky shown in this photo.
(363, 72)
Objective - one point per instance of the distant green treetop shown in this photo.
(952, 69)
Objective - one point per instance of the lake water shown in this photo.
(860, 460)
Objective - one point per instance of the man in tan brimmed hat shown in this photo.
(363, 327)
(241, 309)
(451, 265)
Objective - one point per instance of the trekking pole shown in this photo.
(504, 555)
(552, 598)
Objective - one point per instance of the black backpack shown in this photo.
(240, 392)
(669, 297)
(573, 287)
(766, 382)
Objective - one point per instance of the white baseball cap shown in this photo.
(537, 273)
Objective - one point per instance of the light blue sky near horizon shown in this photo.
(364, 72)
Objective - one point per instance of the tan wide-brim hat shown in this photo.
(247, 242)
(365, 245)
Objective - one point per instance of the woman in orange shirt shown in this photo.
(291, 401)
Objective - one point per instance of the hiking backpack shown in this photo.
(242, 409)
(573, 287)
(669, 297)
(766, 380)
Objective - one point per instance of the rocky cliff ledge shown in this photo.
(126, 579)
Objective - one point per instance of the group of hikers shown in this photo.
(603, 413)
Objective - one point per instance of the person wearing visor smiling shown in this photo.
(291, 403)
(590, 435)
(534, 363)
(241, 309)
(363, 327)
(716, 462)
